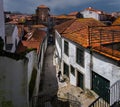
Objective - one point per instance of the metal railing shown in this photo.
(115, 93)
(99, 102)
(105, 39)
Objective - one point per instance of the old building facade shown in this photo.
(86, 67)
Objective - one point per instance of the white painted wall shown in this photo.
(106, 68)
(42, 51)
(2, 26)
(13, 82)
(71, 60)
(101, 65)
(58, 47)
(32, 60)
(14, 38)
(90, 14)
(32, 64)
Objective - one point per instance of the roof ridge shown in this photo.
(63, 26)
(69, 24)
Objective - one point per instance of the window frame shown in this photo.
(79, 54)
(66, 47)
(72, 72)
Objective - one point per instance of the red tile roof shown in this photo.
(39, 26)
(73, 13)
(117, 21)
(63, 17)
(43, 6)
(77, 30)
(62, 27)
(34, 41)
(86, 32)
(105, 35)
(114, 54)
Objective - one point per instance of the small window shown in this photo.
(80, 56)
(90, 12)
(72, 70)
(66, 69)
(9, 46)
(66, 48)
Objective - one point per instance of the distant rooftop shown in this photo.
(43, 6)
(33, 41)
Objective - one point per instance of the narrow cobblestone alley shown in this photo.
(49, 81)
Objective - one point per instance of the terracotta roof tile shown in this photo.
(117, 21)
(105, 35)
(63, 17)
(80, 24)
(114, 54)
(39, 26)
(62, 27)
(78, 32)
(34, 42)
(73, 13)
(43, 6)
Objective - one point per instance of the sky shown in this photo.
(61, 6)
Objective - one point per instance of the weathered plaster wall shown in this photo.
(2, 28)
(14, 39)
(13, 82)
(42, 52)
(58, 44)
(32, 58)
(106, 68)
(71, 60)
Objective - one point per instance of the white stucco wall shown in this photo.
(58, 47)
(2, 26)
(90, 14)
(42, 51)
(32, 58)
(13, 82)
(106, 68)
(87, 69)
(32, 64)
(14, 38)
(71, 60)
(101, 65)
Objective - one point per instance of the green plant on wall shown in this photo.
(7, 104)
(32, 83)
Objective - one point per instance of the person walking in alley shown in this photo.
(59, 75)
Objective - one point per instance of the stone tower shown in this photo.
(43, 14)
